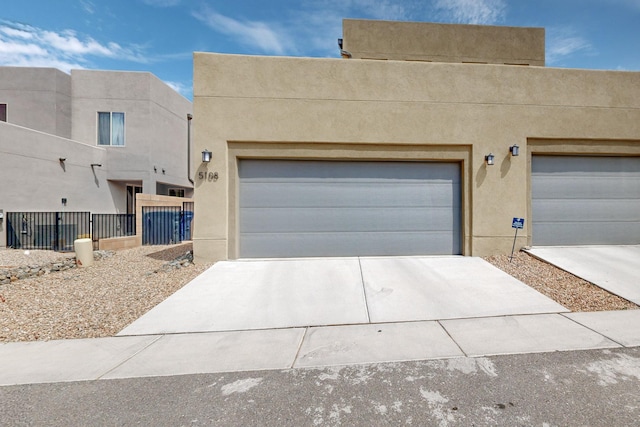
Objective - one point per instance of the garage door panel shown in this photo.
(587, 210)
(332, 208)
(342, 244)
(308, 171)
(394, 194)
(351, 219)
(585, 166)
(579, 200)
(571, 187)
(586, 233)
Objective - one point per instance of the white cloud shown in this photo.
(183, 89)
(29, 49)
(88, 6)
(472, 11)
(68, 42)
(16, 33)
(25, 45)
(565, 42)
(257, 34)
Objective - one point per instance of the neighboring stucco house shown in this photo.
(386, 152)
(93, 138)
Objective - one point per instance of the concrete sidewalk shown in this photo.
(193, 353)
(297, 313)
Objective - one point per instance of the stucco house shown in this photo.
(89, 140)
(424, 139)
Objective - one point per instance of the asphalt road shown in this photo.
(578, 388)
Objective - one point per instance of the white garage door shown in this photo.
(327, 208)
(585, 200)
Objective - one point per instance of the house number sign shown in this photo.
(208, 176)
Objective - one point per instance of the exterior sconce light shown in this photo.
(95, 164)
(489, 159)
(206, 156)
(514, 150)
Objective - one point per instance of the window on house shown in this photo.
(176, 192)
(3, 112)
(110, 128)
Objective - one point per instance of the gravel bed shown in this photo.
(97, 301)
(10, 258)
(566, 289)
(101, 300)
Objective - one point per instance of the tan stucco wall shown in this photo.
(423, 41)
(271, 107)
(118, 243)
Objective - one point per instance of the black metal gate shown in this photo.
(47, 230)
(104, 226)
(187, 220)
(165, 225)
(161, 225)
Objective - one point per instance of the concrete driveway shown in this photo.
(614, 268)
(288, 293)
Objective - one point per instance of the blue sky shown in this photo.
(160, 35)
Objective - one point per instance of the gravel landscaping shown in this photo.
(97, 301)
(566, 289)
(61, 301)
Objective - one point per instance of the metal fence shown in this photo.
(165, 225)
(47, 230)
(104, 226)
(161, 225)
(187, 219)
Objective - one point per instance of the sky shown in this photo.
(160, 36)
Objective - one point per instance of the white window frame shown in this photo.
(124, 127)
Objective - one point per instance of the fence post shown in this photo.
(56, 232)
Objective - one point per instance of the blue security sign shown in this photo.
(517, 223)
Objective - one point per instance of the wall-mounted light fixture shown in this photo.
(96, 164)
(206, 156)
(62, 159)
(514, 150)
(163, 171)
(489, 159)
(155, 169)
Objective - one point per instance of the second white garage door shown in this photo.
(327, 208)
(585, 200)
